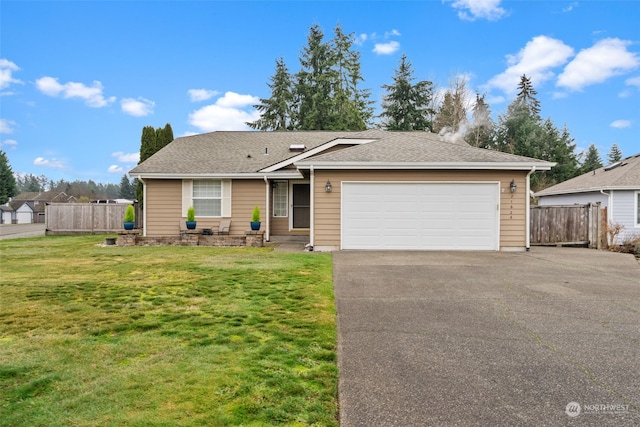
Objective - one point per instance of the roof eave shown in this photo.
(545, 193)
(292, 174)
(427, 165)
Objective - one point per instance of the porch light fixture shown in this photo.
(513, 187)
(327, 187)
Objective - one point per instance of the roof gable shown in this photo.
(625, 176)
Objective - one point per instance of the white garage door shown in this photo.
(436, 216)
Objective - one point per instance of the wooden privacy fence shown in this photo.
(64, 218)
(567, 225)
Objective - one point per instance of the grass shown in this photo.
(164, 336)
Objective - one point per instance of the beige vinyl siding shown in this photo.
(165, 214)
(512, 209)
(163, 206)
(245, 196)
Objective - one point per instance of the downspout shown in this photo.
(312, 178)
(268, 215)
(528, 211)
(144, 205)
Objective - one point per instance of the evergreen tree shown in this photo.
(352, 108)
(527, 97)
(406, 105)
(592, 160)
(481, 131)
(8, 187)
(127, 190)
(558, 147)
(615, 155)
(276, 112)
(314, 83)
(451, 116)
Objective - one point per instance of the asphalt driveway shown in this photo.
(549, 337)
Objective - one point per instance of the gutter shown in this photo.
(609, 205)
(312, 198)
(267, 232)
(144, 205)
(527, 215)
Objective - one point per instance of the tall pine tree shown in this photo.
(615, 155)
(276, 112)
(591, 160)
(8, 186)
(406, 106)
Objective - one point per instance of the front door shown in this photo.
(301, 206)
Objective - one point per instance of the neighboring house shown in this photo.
(343, 190)
(616, 187)
(26, 208)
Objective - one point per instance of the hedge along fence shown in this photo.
(81, 218)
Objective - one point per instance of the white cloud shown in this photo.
(386, 48)
(137, 107)
(605, 59)
(9, 143)
(633, 81)
(361, 39)
(50, 163)
(126, 157)
(621, 124)
(6, 73)
(470, 10)
(570, 7)
(197, 95)
(92, 95)
(392, 33)
(115, 169)
(537, 59)
(229, 112)
(6, 125)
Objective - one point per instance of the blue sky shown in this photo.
(79, 79)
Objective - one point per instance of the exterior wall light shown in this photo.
(513, 187)
(327, 187)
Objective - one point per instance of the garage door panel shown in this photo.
(436, 216)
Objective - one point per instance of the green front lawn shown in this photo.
(171, 336)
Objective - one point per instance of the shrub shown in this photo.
(255, 217)
(129, 214)
(191, 214)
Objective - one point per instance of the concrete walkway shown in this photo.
(452, 338)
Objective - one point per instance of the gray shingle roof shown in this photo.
(233, 152)
(418, 147)
(624, 176)
(244, 152)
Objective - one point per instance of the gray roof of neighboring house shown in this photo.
(624, 175)
(237, 152)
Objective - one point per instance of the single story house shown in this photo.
(616, 187)
(372, 189)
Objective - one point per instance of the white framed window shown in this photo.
(280, 198)
(207, 197)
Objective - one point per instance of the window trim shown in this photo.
(225, 204)
(286, 199)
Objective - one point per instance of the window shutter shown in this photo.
(226, 198)
(187, 195)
